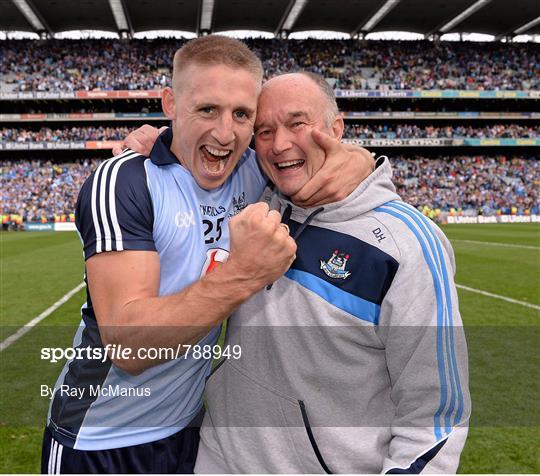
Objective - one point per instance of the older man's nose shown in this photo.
(281, 142)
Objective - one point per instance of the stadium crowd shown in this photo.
(37, 190)
(371, 105)
(352, 131)
(71, 65)
(47, 134)
(487, 185)
(501, 131)
(46, 191)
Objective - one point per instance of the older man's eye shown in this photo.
(241, 115)
(263, 133)
(206, 110)
(297, 124)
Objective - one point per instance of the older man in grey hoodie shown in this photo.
(355, 360)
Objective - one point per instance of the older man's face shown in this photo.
(290, 106)
(213, 114)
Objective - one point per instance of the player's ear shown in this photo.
(338, 127)
(168, 103)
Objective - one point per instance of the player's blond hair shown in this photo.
(215, 50)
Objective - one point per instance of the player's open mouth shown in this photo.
(289, 165)
(214, 160)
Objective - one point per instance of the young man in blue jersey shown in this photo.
(152, 227)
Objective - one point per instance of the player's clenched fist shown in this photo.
(261, 249)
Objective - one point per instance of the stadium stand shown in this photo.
(478, 184)
(413, 131)
(58, 65)
(40, 190)
(395, 102)
(46, 134)
(43, 190)
(88, 133)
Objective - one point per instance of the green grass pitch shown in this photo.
(36, 269)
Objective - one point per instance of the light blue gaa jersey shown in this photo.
(136, 203)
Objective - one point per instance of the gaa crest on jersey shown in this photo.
(335, 265)
(239, 203)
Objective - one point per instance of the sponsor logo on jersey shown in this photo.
(335, 265)
(214, 256)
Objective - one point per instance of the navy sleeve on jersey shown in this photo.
(114, 210)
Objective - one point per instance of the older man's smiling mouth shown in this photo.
(290, 164)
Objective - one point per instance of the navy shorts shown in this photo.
(174, 454)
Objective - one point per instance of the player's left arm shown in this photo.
(426, 356)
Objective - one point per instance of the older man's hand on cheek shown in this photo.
(345, 166)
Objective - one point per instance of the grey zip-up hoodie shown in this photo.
(355, 360)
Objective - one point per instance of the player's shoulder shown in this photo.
(128, 165)
(125, 167)
(114, 210)
(122, 174)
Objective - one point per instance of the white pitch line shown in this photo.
(27, 327)
(498, 296)
(494, 243)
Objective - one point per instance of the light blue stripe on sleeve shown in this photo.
(423, 223)
(358, 307)
(440, 318)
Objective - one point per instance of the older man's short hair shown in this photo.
(328, 93)
(215, 50)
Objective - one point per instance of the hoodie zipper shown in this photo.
(314, 445)
(285, 218)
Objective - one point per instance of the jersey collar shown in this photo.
(161, 152)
